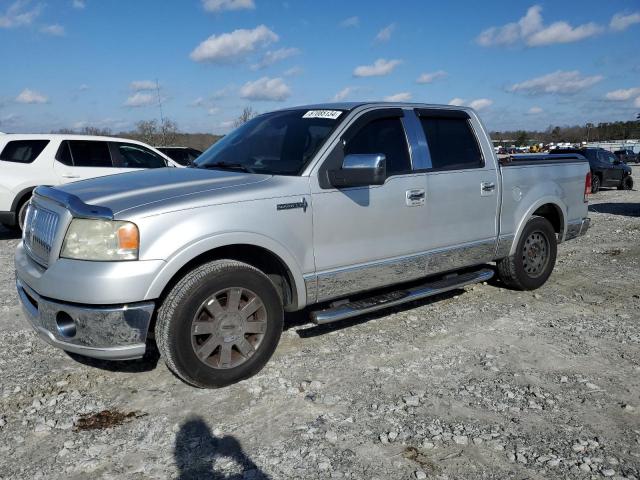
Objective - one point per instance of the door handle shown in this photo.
(487, 188)
(416, 197)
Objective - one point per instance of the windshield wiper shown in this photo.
(228, 166)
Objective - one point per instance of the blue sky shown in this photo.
(522, 64)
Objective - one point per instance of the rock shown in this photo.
(324, 465)
(331, 437)
(412, 401)
(591, 386)
(521, 458)
(315, 385)
(461, 439)
(608, 472)
(554, 462)
(384, 438)
(564, 379)
(420, 475)
(578, 447)
(585, 467)
(392, 436)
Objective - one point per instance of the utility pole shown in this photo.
(161, 115)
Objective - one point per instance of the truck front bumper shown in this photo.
(108, 332)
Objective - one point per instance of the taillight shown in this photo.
(587, 187)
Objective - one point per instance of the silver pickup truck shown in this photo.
(339, 208)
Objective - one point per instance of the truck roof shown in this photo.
(353, 105)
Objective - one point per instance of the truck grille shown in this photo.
(39, 232)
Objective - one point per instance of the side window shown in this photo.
(64, 154)
(452, 144)
(611, 158)
(87, 153)
(23, 151)
(386, 136)
(137, 156)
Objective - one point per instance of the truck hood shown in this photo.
(162, 187)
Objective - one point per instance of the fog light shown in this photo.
(66, 325)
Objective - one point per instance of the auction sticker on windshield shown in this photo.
(332, 114)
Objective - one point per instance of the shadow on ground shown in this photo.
(144, 364)
(200, 455)
(6, 234)
(623, 209)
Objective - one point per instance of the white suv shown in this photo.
(27, 161)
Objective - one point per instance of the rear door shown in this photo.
(82, 159)
(612, 173)
(462, 191)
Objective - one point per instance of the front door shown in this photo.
(364, 237)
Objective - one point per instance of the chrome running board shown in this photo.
(397, 297)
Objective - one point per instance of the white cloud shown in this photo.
(535, 111)
(10, 119)
(350, 22)
(637, 103)
(222, 5)
(621, 21)
(140, 99)
(293, 72)
(398, 97)
(379, 68)
(384, 35)
(562, 32)
(265, 88)
(623, 94)
(55, 30)
(138, 85)
(560, 82)
(480, 103)
(531, 30)
(18, 14)
(344, 93)
(79, 4)
(431, 77)
(229, 47)
(213, 111)
(477, 104)
(31, 96)
(275, 56)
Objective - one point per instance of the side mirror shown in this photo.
(360, 170)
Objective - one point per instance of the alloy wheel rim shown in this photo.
(228, 328)
(535, 254)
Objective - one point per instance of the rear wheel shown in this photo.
(595, 184)
(627, 183)
(219, 324)
(534, 258)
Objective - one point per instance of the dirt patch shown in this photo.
(104, 419)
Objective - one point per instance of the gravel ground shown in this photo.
(480, 383)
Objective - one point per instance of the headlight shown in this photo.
(101, 240)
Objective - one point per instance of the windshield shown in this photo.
(278, 143)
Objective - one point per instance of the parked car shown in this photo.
(295, 208)
(606, 169)
(27, 161)
(183, 155)
(627, 155)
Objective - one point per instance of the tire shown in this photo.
(627, 183)
(595, 184)
(22, 213)
(534, 259)
(196, 316)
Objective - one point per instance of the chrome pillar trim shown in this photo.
(311, 288)
(337, 283)
(398, 297)
(114, 332)
(72, 203)
(504, 246)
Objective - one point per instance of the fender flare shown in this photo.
(529, 213)
(198, 247)
(19, 196)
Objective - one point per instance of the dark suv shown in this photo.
(626, 155)
(183, 155)
(607, 170)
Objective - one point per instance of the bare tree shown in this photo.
(148, 131)
(247, 114)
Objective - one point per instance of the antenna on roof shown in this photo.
(160, 106)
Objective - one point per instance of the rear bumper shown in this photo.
(107, 332)
(8, 218)
(576, 229)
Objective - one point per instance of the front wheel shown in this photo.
(627, 183)
(534, 258)
(219, 324)
(595, 184)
